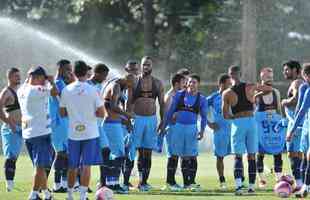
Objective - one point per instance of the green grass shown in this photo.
(207, 177)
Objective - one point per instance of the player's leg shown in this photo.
(278, 165)
(220, 171)
(260, 169)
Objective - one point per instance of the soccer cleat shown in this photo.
(223, 186)
(89, 190)
(195, 188)
(36, 198)
(238, 191)
(172, 188)
(262, 183)
(251, 191)
(60, 190)
(117, 189)
(302, 193)
(143, 188)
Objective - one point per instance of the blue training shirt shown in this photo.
(187, 117)
(305, 105)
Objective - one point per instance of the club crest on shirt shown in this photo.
(80, 128)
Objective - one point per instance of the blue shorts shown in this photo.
(130, 150)
(144, 132)
(221, 139)
(84, 153)
(115, 135)
(304, 140)
(41, 151)
(11, 142)
(60, 135)
(104, 142)
(294, 144)
(184, 140)
(244, 138)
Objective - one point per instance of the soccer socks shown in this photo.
(9, 169)
(252, 171)
(307, 174)
(104, 169)
(278, 162)
(193, 169)
(260, 164)
(127, 169)
(114, 172)
(144, 168)
(238, 171)
(303, 167)
(295, 166)
(172, 166)
(185, 164)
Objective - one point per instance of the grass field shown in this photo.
(206, 176)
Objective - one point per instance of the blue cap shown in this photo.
(38, 71)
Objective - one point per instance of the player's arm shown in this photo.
(62, 105)
(301, 113)
(226, 104)
(4, 98)
(161, 100)
(211, 125)
(278, 96)
(171, 110)
(292, 100)
(115, 95)
(301, 93)
(54, 90)
(203, 115)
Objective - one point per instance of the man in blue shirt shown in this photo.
(302, 111)
(220, 127)
(59, 126)
(187, 105)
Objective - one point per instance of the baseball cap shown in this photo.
(38, 71)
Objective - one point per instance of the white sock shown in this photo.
(70, 193)
(33, 194)
(64, 184)
(47, 194)
(238, 182)
(83, 192)
(299, 183)
(10, 184)
(57, 186)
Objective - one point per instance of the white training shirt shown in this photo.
(81, 101)
(33, 100)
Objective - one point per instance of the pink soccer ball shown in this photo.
(287, 178)
(104, 193)
(283, 189)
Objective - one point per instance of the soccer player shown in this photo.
(59, 127)
(36, 126)
(188, 104)
(178, 83)
(132, 70)
(268, 117)
(220, 127)
(291, 71)
(145, 93)
(238, 106)
(112, 127)
(101, 72)
(11, 128)
(82, 104)
(301, 112)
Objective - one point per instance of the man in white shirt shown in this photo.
(33, 98)
(81, 103)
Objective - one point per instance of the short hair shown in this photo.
(184, 71)
(147, 58)
(221, 79)
(176, 78)
(63, 62)
(234, 68)
(11, 71)
(131, 62)
(195, 76)
(80, 68)
(306, 68)
(101, 68)
(293, 64)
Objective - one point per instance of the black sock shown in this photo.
(185, 171)
(172, 166)
(9, 169)
(141, 168)
(278, 162)
(222, 179)
(260, 164)
(238, 168)
(57, 176)
(252, 171)
(193, 170)
(307, 174)
(147, 169)
(127, 169)
(104, 169)
(295, 166)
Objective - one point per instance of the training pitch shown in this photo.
(206, 176)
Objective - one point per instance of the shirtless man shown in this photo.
(238, 106)
(145, 93)
(112, 127)
(10, 131)
(291, 72)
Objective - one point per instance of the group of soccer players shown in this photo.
(75, 120)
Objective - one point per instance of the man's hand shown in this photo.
(213, 126)
(200, 135)
(289, 136)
